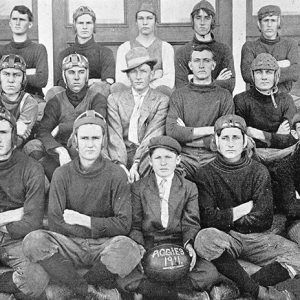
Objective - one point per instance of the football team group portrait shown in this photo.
(149, 150)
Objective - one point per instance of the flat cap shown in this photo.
(205, 5)
(268, 10)
(230, 121)
(166, 142)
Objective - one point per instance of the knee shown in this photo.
(37, 246)
(34, 148)
(294, 232)
(207, 236)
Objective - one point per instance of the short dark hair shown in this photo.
(22, 9)
(201, 48)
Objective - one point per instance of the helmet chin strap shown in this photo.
(271, 93)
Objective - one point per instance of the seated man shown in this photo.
(235, 201)
(89, 214)
(203, 17)
(13, 97)
(101, 59)
(285, 50)
(195, 108)
(164, 71)
(288, 177)
(34, 54)
(21, 211)
(135, 115)
(165, 210)
(61, 111)
(267, 111)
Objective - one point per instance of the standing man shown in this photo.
(89, 214)
(35, 55)
(235, 201)
(60, 113)
(284, 50)
(164, 72)
(20, 104)
(195, 108)
(100, 58)
(21, 211)
(135, 115)
(203, 22)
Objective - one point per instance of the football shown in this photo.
(166, 262)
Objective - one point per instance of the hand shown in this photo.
(157, 74)
(31, 71)
(284, 63)
(22, 127)
(55, 131)
(93, 80)
(73, 217)
(63, 155)
(142, 250)
(126, 171)
(133, 173)
(242, 210)
(284, 128)
(192, 254)
(180, 122)
(224, 74)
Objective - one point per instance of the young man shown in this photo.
(34, 54)
(135, 115)
(60, 112)
(235, 201)
(195, 108)
(164, 71)
(288, 177)
(203, 22)
(100, 58)
(165, 210)
(21, 211)
(89, 214)
(13, 97)
(284, 50)
(267, 111)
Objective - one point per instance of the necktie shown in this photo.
(134, 119)
(163, 203)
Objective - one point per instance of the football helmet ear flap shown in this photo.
(16, 62)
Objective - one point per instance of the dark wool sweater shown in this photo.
(197, 106)
(35, 56)
(223, 57)
(281, 49)
(60, 111)
(259, 112)
(101, 193)
(22, 184)
(222, 186)
(101, 60)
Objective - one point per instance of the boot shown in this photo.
(224, 291)
(193, 296)
(270, 293)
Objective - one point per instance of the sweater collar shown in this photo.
(76, 98)
(17, 101)
(223, 165)
(96, 167)
(21, 45)
(90, 43)
(261, 97)
(202, 88)
(197, 42)
(269, 42)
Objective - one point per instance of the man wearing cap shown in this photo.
(21, 211)
(267, 111)
(164, 72)
(284, 50)
(34, 54)
(135, 115)
(13, 97)
(235, 201)
(203, 22)
(89, 216)
(195, 108)
(165, 210)
(100, 58)
(60, 112)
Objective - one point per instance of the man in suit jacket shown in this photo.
(177, 222)
(135, 115)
